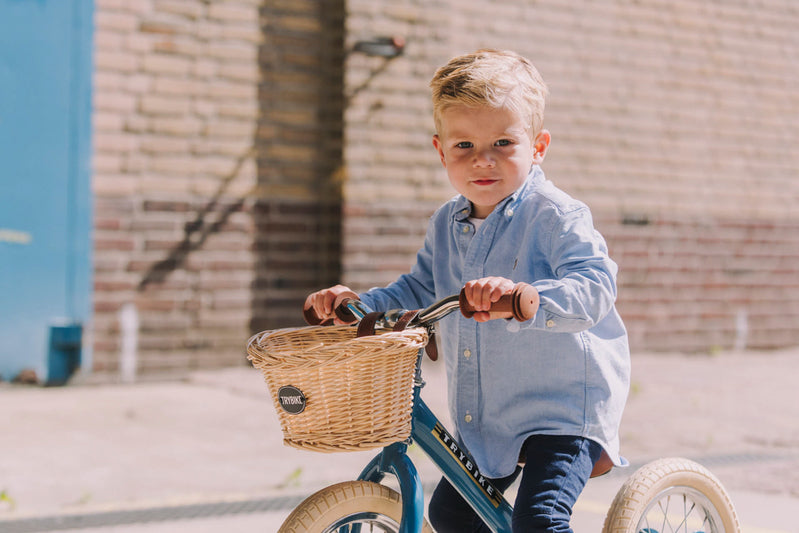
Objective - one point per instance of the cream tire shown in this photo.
(670, 493)
(348, 503)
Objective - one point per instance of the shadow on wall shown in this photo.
(209, 220)
(297, 205)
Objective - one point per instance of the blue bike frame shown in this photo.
(454, 462)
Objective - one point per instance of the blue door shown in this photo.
(45, 202)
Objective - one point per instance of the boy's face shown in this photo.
(487, 152)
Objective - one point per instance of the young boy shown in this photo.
(551, 390)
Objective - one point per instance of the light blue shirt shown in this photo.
(564, 372)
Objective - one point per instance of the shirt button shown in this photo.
(550, 323)
(468, 418)
(467, 353)
(509, 212)
(466, 229)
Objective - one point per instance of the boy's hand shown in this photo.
(481, 293)
(322, 302)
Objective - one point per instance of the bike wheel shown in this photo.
(340, 507)
(672, 495)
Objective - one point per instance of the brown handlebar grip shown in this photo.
(339, 308)
(312, 319)
(525, 301)
(521, 303)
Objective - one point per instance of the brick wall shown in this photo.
(175, 95)
(217, 140)
(673, 120)
(699, 283)
(231, 137)
(298, 212)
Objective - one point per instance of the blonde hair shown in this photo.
(493, 78)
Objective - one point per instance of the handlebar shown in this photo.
(521, 304)
(341, 308)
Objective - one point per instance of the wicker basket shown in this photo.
(334, 391)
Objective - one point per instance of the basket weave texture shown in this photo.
(358, 390)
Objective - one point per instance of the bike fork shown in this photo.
(394, 460)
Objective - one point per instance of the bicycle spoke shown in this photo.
(686, 513)
(665, 514)
(694, 517)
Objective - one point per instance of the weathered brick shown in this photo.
(651, 111)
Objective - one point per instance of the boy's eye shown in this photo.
(503, 142)
(463, 144)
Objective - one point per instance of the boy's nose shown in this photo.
(483, 159)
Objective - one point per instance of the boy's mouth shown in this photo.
(484, 181)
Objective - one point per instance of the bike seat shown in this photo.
(603, 465)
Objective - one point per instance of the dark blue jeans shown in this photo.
(555, 473)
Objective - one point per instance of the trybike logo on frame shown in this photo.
(494, 495)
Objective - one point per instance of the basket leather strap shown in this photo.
(404, 320)
(366, 326)
(431, 348)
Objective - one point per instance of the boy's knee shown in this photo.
(545, 516)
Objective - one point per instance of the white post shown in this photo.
(129, 330)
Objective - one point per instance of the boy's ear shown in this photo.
(440, 149)
(540, 146)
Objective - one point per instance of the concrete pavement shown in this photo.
(204, 452)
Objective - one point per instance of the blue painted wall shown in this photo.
(45, 194)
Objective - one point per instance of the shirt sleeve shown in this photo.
(414, 290)
(583, 288)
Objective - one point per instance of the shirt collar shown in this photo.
(463, 207)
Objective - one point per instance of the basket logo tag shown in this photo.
(291, 399)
